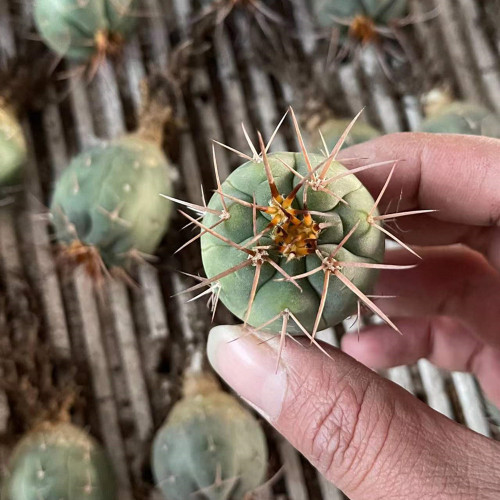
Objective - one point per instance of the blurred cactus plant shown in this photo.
(448, 116)
(106, 207)
(85, 30)
(209, 446)
(59, 461)
(360, 18)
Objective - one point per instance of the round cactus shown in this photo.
(59, 461)
(332, 130)
(293, 242)
(80, 30)
(209, 445)
(108, 200)
(297, 242)
(462, 118)
(13, 150)
(361, 15)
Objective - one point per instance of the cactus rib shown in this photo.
(278, 237)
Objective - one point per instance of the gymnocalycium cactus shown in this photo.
(332, 130)
(447, 116)
(209, 445)
(106, 207)
(83, 30)
(13, 150)
(59, 461)
(291, 241)
(361, 19)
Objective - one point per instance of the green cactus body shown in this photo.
(109, 199)
(59, 462)
(79, 30)
(294, 243)
(332, 131)
(380, 12)
(13, 150)
(462, 118)
(209, 447)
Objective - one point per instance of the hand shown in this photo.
(367, 435)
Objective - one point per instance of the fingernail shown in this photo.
(248, 364)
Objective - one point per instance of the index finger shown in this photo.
(457, 175)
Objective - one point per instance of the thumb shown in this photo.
(364, 433)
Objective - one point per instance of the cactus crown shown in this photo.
(287, 231)
(363, 28)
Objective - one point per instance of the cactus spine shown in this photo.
(332, 129)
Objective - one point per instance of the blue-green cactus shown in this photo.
(378, 12)
(459, 117)
(210, 446)
(59, 462)
(108, 199)
(296, 240)
(13, 150)
(80, 30)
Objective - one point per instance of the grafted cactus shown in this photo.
(333, 129)
(445, 115)
(209, 447)
(13, 151)
(106, 208)
(81, 30)
(291, 242)
(56, 462)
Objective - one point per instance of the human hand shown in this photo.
(364, 433)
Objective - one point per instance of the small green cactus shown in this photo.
(332, 130)
(209, 446)
(446, 116)
(13, 150)
(82, 30)
(106, 207)
(56, 462)
(361, 14)
(291, 242)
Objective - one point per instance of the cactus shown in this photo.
(291, 241)
(447, 116)
(332, 130)
(13, 150)
(209, 445)
(82, 30)
(359, 18)
(106, 207)
(59, 461)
